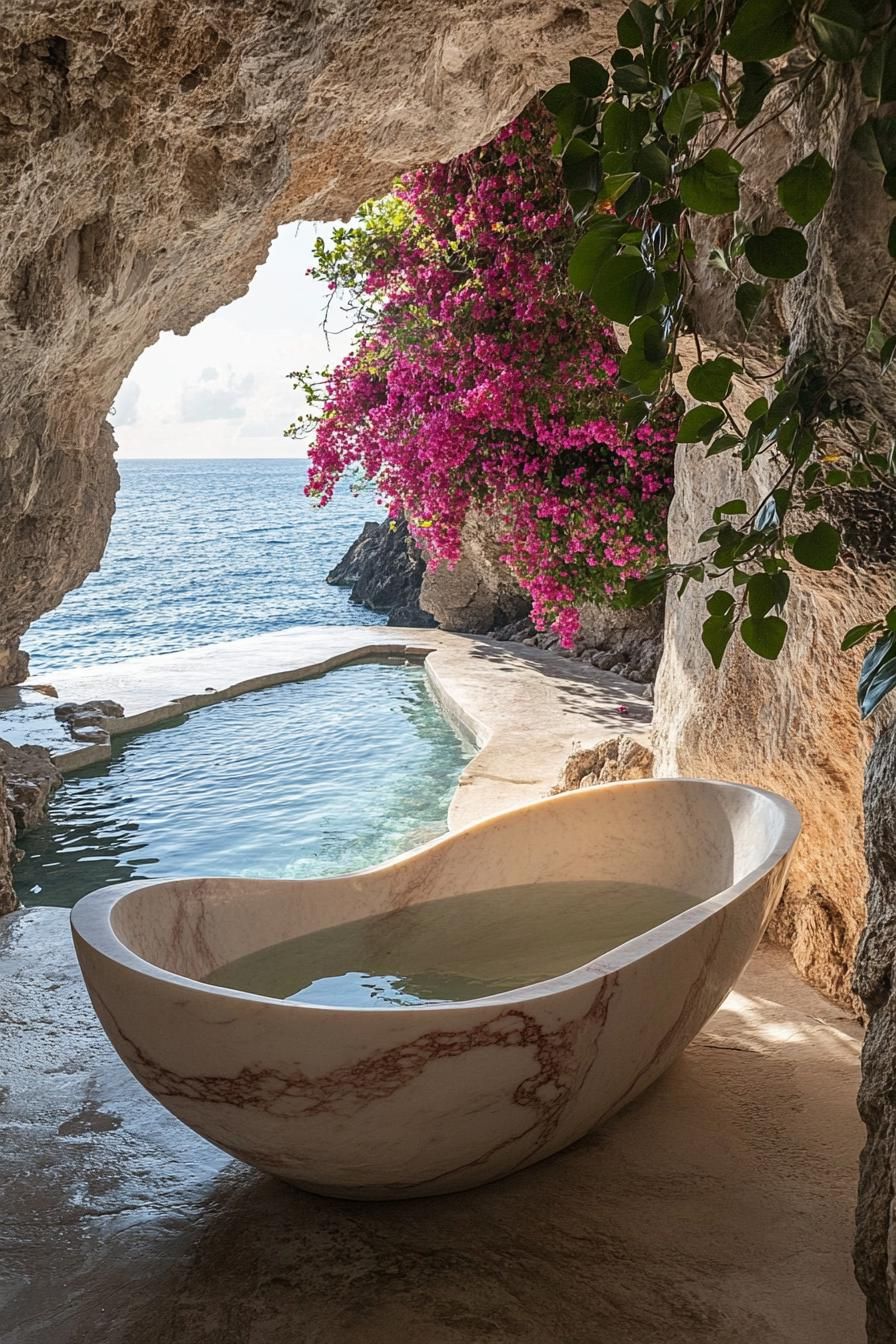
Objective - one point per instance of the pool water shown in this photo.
(307, 779)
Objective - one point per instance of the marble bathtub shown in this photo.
(389, 1103)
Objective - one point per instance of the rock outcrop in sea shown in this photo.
(384, 569)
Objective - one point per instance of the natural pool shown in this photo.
(311, 778)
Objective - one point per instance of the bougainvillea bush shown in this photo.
(480, 379)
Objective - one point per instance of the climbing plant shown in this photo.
(647, 145)
(480, 378)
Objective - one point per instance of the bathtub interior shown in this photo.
(691, 836)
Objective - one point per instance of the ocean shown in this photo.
(205, 550)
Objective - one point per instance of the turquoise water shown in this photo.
(311, 778)
(203, 551)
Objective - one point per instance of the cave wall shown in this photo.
(793, 724)
(149, 152)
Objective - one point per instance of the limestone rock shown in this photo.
(479, 593)
(385, 570)
(27, 778)
(616, 758)
(30, 777)
(876, 983)
(8, 852)
(791, 725)
(91, 712)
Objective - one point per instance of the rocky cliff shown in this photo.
(384, 569)
(793, 724)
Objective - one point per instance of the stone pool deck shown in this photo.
(525, 708)
(716, 1209)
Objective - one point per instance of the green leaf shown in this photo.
(717, 632)
(818, 549)
(891, 239)
(765, 635)
(879, 70)
(875, 338)
(839, 30)
(875, 140)
(588, 77)
(653, 163)
(804, 189)
(711, 381)
(632, 78)
(857, 634)
(761, 30)
(699, 425)
(710, 185)
(622, 288)
(719, 603)
(644, 18)
(757, 82)
(756, 409)
(765, 591)
(582, 169)
(723, 443)
(878, 675)
(780, 254)
(627, 30)
(683, 115)
(731, 507)
(623, 128)
(616, 184)
(748, 299)
(887, 351)
(667, 212)
(591, 251)
(560, 97)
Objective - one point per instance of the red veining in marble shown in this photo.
(561, 1058)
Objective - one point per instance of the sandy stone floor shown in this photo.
(717, 1209)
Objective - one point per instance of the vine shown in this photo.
(647, 145)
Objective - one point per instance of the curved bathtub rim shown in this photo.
(91, 916)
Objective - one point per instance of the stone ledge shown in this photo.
(525, 708)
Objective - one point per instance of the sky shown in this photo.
(222, 390)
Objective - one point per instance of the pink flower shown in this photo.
(482, 380)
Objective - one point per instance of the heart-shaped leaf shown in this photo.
(819, 548)
(780, 254)
(588, 77)
(717, 632)
(711, 381)
(761, 30)
(805, 188)
(838, 30)
(757, 82)
(699, 425)
(622, 288)
(748, 300)
(765, 635)
(710, 186)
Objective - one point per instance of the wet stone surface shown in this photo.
(718, 1207)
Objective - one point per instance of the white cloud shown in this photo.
(223, 390)
(215, 399)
